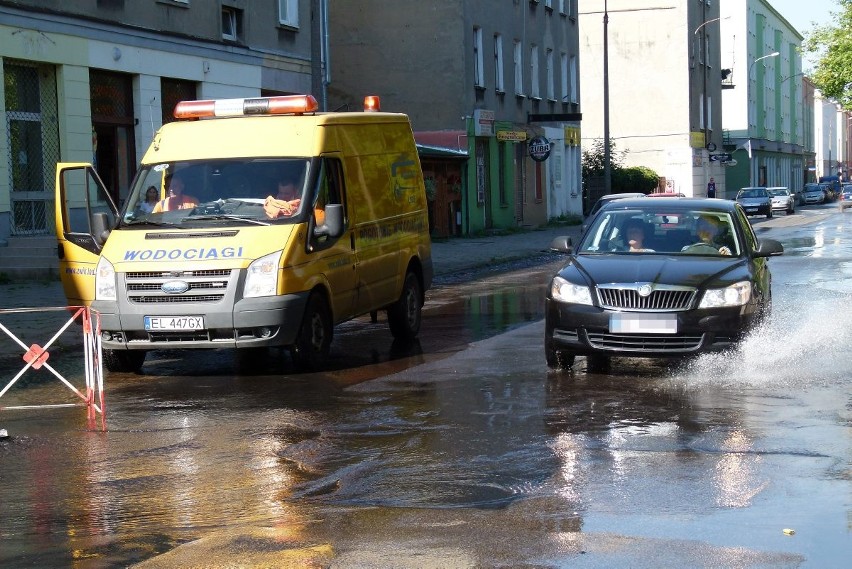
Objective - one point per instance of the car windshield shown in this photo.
(658, 230)
(775, 193)
(246, 191)
(752, 194)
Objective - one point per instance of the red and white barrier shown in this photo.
(35, 357)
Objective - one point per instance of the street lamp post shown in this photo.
(607, 157)
(748, 113)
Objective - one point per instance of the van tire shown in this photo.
(314, 339)
(123, 361)
(404, 315)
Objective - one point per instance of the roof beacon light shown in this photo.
(285, 105)
(372, 103)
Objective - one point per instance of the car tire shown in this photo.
(769, 214)
(597, 363)
(791, 211)
(405, 315)
(123, 361)
(557, 359)
(313, 342)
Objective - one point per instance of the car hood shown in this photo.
(687, 270)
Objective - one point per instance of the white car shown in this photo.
(782, 199)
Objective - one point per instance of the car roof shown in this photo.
(673, 204)
(621, 196)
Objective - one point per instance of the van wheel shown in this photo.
(123, 361)
(404, 315)
(314, 339)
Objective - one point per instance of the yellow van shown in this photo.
(210, 251)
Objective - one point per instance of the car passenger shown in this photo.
(635, 231)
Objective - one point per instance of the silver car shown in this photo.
(782, 199)
(813, 194)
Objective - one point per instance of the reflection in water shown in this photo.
(738, 478)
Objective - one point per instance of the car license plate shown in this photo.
(172, 323)
(642, 324)
(751, 209)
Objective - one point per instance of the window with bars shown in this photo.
(32, 135)
(172, 92)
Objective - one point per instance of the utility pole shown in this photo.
(607, 158)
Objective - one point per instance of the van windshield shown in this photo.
(219, 191)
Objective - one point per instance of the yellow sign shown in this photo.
(696, 139)
(511, 135)
(572, 136)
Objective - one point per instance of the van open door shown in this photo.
(85, 213)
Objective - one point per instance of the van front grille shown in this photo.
(201, 286)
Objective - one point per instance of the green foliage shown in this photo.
(833, 45)
(593, 159)
(632, 179)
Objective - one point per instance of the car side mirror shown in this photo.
(768, 248)
(562, 244)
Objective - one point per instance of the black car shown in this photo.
(697, 282)
(755, 201)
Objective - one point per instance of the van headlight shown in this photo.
(563, 291)
(262, 276)
(105, 281)
(736, 294)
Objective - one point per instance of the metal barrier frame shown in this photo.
(36, 357)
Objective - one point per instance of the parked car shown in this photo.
(700, 282)
(845, 197)
(755, 201)
(829, 191)
(782, 200)
(605, 199)
(813, 194)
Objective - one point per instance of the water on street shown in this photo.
(463, 449)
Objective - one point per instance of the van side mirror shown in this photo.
(333, 223)
(100, 228)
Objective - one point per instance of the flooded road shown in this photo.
(462, 450)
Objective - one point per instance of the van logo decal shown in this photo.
(174, 287)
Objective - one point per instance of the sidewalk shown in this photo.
(449, 256)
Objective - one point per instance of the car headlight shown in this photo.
(563, 291)
(736, 294)
(262, 276)
(105, 288)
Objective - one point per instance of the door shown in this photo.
(83, 209)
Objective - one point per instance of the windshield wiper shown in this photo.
(149, 222)
(214, 216)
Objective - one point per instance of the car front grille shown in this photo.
(645, 297)
(644, 343)
(202, 286)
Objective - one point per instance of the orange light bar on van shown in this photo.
(372, 103)
(285, 105)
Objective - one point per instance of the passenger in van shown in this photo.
(151, 195)
(176, 199)
(286, 201)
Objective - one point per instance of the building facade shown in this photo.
(497, 80)
(93, 80)
(663, 77)
(764, 114)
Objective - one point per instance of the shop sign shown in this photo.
(539, 148)
(511, 135)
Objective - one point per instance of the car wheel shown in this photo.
(769, 214)
(557, 359)
(791, 210)
(314, 339)
(404, 315)
(123, 361)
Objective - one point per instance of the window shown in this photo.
(498, 64)
(518, 62)
(288, 13)
(478, 71)
(534, 91)
(563, 77)
(548, 4)
(548, 62)
(231, 23)
(562, 7)
(709, 113)
(573, 82)
(173, 91)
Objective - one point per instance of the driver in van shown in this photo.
(286, 201)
